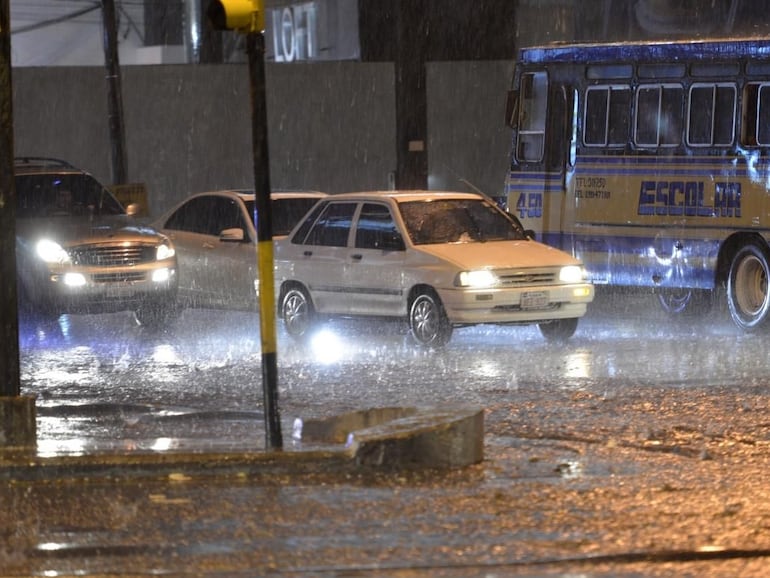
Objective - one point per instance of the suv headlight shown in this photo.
(164, 252)
(476, 279)
(51, 252)
(572, 274)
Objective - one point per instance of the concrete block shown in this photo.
(18, 428)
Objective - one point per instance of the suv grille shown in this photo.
(112, 255)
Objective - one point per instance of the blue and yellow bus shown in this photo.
(651, 163)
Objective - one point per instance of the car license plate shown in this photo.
(534, 300)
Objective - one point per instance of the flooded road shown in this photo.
(626, 351)
(640, 448)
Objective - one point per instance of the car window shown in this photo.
(288, 212)
(376, 229)
(309, 220)
(63, 195)
(332, 227)
(457, 221)
(207, 215)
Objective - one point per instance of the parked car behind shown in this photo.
(216, 240)
(439, 260)
(79, 251)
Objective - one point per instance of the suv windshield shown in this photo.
(63, 195)
(457, 221)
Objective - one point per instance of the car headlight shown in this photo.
(476, 279)
(572, 274)
(164, 252)
(51, 252)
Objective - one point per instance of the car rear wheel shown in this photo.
(297, 313)
(558, 330)
(428, 321)
(747, 292)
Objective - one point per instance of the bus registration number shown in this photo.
(534, 300)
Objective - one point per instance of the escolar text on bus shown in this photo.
(686, 198)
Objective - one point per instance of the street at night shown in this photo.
(636, 449)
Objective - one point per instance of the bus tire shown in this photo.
(747, 292)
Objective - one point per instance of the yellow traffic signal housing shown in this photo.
(240, 15)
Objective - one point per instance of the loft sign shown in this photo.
(294, 32)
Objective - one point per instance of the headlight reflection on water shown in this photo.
(326, 346)
(578, 364)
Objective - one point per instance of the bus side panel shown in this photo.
(536, 199)
(650, 222)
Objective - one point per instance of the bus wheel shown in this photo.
(747, 295)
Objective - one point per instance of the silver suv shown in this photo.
(79, 251)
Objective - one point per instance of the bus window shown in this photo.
(756, 115)
(763, 115)
(659, 115)
(607, 116)
(711, 118)
(532, 116)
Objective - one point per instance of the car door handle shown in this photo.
(308, 253)
(357, 257)
(208, 245)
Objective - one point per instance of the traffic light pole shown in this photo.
(255, 47)
(248, 16)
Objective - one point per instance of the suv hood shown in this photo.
(84, 230)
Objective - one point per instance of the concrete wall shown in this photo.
(331, 125)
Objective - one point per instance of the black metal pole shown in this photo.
(255, 46)
(411, 94)
(115, 99)
(10, 381)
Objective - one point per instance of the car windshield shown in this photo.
(63, 195)
(457, 221)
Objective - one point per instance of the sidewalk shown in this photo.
(390, 438)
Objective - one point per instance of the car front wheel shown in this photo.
(155, 316)
(558, 330)
(428, 321)
(297, 313)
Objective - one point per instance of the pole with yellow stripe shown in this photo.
(248, 16)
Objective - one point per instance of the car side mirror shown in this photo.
(234, 235)
(132, 210)
(530, 234)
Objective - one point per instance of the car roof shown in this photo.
(248, 194)
(400, 196)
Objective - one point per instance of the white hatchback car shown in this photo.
(437, 259)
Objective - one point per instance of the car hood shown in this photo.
(499, 254)
(85, 230)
